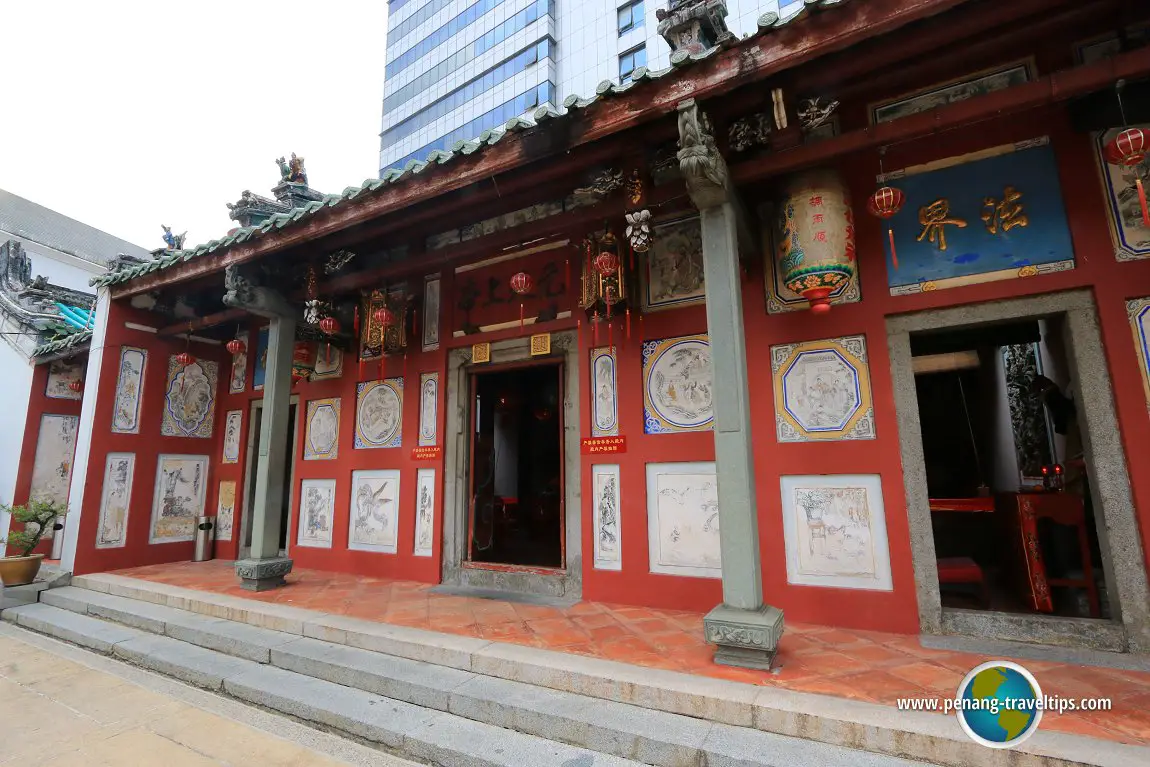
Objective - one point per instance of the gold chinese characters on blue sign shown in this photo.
(991, 216)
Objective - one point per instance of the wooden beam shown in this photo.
(1059, 86)
(201, 323)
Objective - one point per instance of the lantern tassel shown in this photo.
(631, 248)
(595, 335)
(610, 332)
(628, 324)
(382, 362)
(893, 253)
(327, 354)
(521, 315)
(405, 368)
(579, 333)
(567, 276)
(1142, 199)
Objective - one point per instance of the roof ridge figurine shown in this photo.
(292, 171)
(173, 241)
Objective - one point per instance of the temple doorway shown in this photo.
(516, 469)
(255, 435)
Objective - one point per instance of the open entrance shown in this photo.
(516, 487)
(1011, 512)
(255, 436)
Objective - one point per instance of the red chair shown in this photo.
(963, 570)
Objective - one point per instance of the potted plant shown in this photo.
(37, 516)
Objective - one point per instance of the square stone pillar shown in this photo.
(265, 568)
(746, 630)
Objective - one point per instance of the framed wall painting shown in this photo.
(677, 385)
(673, 267)
(115, 501)
(321, 431)
(431, 312)
(226, 510)
(328, 363)
(129, 390)
(233, 423)
(1107, 46)
(604, 393)
(822, 390)
(780, 298)
(1123, 209)
(428, 409)
(189, 399)
(683, 519)
(239, 378)
(835, 531)
(373, 521)
(954, 91)
(379, 413)
(317, 513)
(424, 513)
(606, 504)
(261, 370)
(180, 495)
(52, 463)
(61, 374)
(1138, 312)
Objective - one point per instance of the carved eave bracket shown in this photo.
(705, 172)
(242, 292)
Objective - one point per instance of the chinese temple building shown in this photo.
(848, 320)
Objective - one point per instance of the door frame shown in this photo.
(566, 583)
(245, 548)
(1123, 561)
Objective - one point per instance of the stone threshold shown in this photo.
(853, 724)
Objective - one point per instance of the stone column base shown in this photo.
(263, 574)
(745, 638)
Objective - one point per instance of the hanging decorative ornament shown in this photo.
(606, 263)
(77, 386)
(185, 359)
(355, 326)
(885, 203)
(816, 239)
(385, 318)
(235, 346)
(330, 326)
(521, 284)
(639, 230)
(1128, 149)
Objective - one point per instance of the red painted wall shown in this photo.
(39, 405)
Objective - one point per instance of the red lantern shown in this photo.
(384, 316)
(76, 386)
(235, 346)
(606, 263)
(185, 359)
(521, 285)
(1128, 149)
(329, 325)
(885, 203)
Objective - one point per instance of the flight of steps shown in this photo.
(516, 709)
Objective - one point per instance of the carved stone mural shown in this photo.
(1123, 209)
(226, 510)
(61, 374)
(189, 399)
(321, 435)
(677, 385)
(180, 495)
(822, 390)
(52, 465)
(673, 274)
(233, 422)
(604, 393)
(428, 409)
(238, 380)
(606, 500)
(431, 309)
(374, 517)
(115, 501)
(317, 513)
(379, 413)
(683, 519)
(1138, 312)
(424, 512)
(129, 390)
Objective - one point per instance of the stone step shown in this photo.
(627, 731)
(435, 737)
(857, 725)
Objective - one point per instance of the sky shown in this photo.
(126, 115)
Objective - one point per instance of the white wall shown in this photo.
(15, 387)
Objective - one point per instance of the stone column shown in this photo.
(265, 568)
(746, 630)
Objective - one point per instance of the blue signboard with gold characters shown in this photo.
(989, 216)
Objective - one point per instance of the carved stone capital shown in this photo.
(746, 638)
(262, 574)
(702, 167)
(243, 292)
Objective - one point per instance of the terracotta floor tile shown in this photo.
(928, 675)
(600, 633)
(505, 631)
(596, 620)
(878, 654)
(841, 639)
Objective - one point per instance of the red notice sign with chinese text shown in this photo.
(430, 453)
(593, 445)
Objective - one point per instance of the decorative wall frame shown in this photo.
(780, 298)
(424, 513)
(480, 353)
(129, 390)
(328, 363)
(379, 413)
(953, 91)
(606, 503)
(431, 311)
(673, 267)
(677, 385)
(373, 519)
(428, 409)
(683, 519)
(1107, 46)
(835, 531)
(116, 501)
(317, 513)
(239, 378)
(226, 510)
(61, 374)
(190, 399)
(52, 464)
(1123, 210)
(180, 495)
(321, 431)
(1138, 312)
(604, 392)
(233, 425)
(822, 390)
(261, 370)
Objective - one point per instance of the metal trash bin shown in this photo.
(58, 539)
(205, 538)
